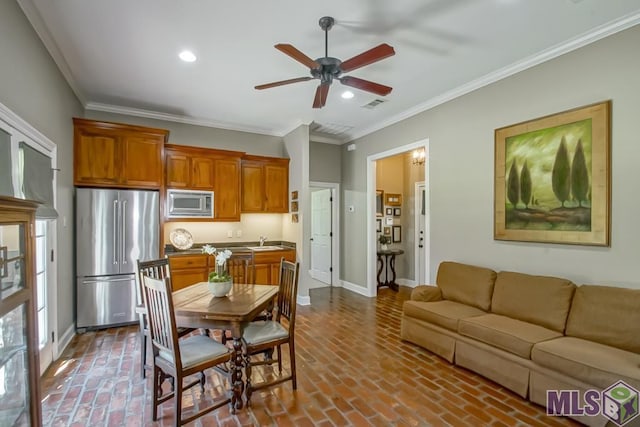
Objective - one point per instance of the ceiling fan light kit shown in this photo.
(328, 69)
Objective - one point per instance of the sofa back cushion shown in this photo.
(466, 284)
(607, 315)
(542, 300)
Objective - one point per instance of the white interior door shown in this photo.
(421, 236)
(321, 235)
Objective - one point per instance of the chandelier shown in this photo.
(418, 157)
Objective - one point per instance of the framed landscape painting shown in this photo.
(552, 178)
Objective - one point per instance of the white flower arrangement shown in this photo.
(220, 274)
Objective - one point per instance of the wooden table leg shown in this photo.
(392, 263)
(381, 265)
(236, 374)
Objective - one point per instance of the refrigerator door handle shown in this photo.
(124, 233)
(115, 232)
(105, 280)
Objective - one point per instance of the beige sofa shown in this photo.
(529, 333)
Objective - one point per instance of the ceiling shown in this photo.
(122, 55)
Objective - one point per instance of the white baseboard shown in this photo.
(407, 282)
(63, 341)
(356, 288)
(302, 300)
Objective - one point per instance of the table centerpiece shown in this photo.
(220, 281)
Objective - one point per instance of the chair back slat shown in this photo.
(162, 322)
(288, 291)
(156, 269)
(241, 269)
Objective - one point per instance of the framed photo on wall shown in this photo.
(389, 211)
(379, 225)
(396, 211)
(553, 178)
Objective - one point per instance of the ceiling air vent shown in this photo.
(373, 104)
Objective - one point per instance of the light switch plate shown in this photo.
(229, 233)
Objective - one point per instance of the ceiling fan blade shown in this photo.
(321, 95)
(294, 53)
(376, 54)
(372, 87)
(283, 82)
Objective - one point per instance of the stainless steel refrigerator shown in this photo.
(114, 228)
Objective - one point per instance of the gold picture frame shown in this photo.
(553, 178)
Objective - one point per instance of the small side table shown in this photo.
(387, 262)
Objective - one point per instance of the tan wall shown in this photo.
(461, 175)
(32, 87)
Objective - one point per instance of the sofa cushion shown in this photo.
(442, 313)
(588, 361)
(512, 335)
(542, 300)
(426, 293)
(467, 284)
(607, 315)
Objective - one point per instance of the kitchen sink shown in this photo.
(265, 248)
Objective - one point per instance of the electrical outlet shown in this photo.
(229, 233)
(238, 233)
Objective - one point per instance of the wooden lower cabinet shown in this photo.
(267, 265)
(187, 270)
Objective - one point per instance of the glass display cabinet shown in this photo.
(19, 376)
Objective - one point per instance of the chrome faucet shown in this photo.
(262, 240)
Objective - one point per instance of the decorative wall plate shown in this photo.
(181, 239)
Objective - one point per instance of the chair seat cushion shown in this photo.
(512, 335)
(591, 362)
(196, 349)
(442, 313)
(263, 331)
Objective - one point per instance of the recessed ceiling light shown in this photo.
(187, 56)
(347, 94)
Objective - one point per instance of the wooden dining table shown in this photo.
(196, 307)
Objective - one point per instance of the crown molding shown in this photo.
(41, 29)
(22, 126)
(592, 36)
(138, 112)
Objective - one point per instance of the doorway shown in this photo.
(421, 222)
(324, 234)
(410, 222)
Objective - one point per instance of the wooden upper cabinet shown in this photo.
(117, 155)
(227, 189)
(197, 168)
(276, 177)
(252, 187)
(189, 167)
(265, 184)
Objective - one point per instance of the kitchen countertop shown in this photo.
(236, 247)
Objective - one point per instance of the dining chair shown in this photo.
(263, 335)
(241, 269)
(178, 358)
(156, 269)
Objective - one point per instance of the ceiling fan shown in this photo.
(327, 69)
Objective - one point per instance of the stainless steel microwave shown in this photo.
(189, 204)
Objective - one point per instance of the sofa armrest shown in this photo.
(426, 293)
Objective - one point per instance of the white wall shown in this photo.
(462, 167)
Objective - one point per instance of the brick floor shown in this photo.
(353, 370)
